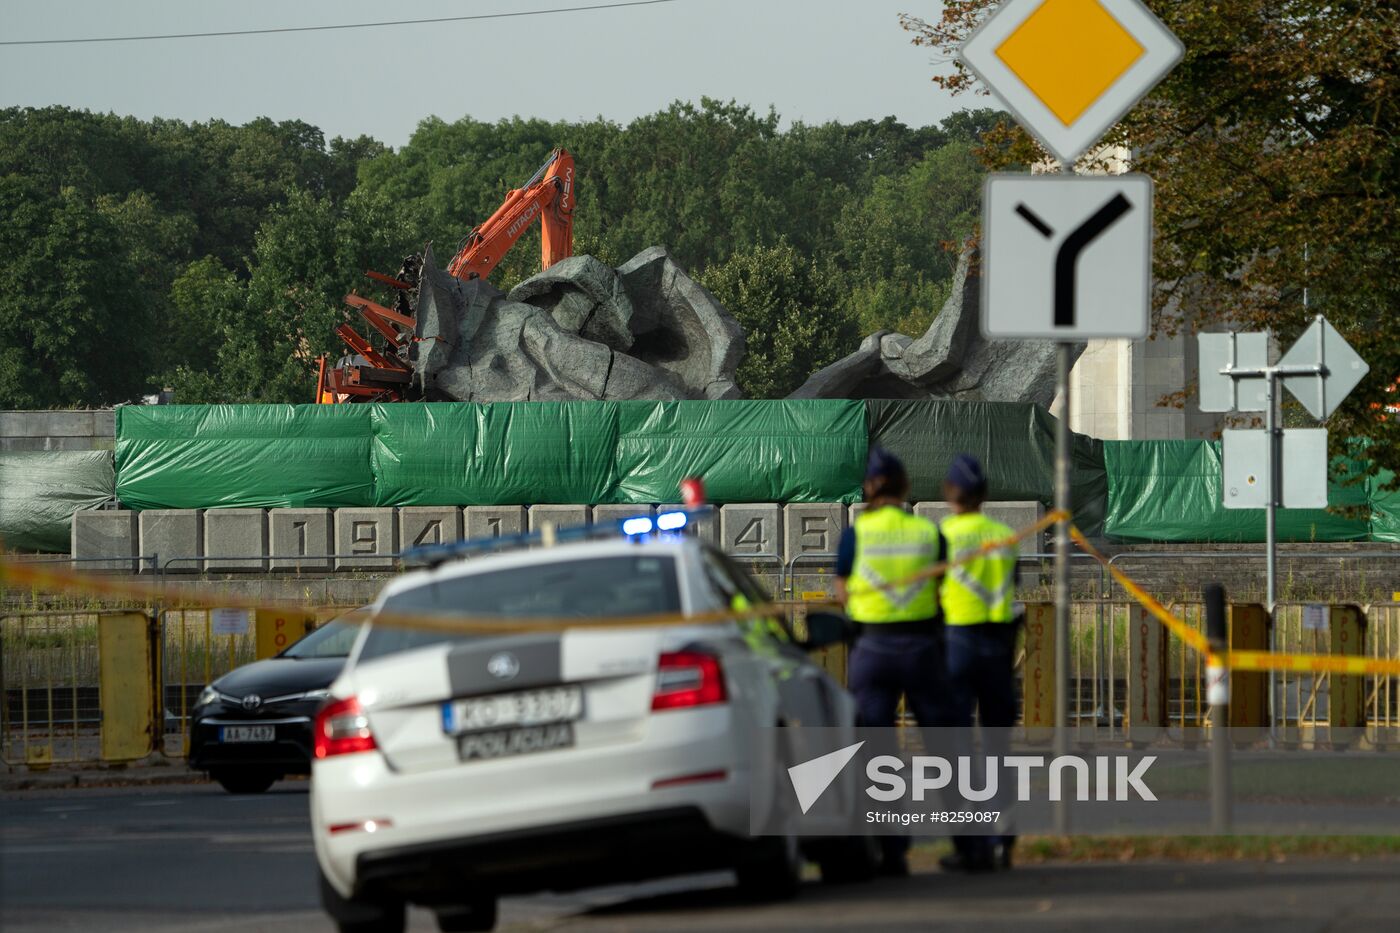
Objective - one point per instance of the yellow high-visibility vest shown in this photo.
(981, 590)
(891, 546)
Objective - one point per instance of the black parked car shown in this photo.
(252, 726)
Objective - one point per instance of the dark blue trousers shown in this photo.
(884, 667)
(981, 678)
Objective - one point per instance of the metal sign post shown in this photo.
(1067, 258)
(1320, 369)
(1062, 562)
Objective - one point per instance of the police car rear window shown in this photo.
(595, 588)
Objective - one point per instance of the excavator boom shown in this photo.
(372, 375)
(549, 195)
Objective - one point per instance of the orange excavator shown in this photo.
(371, 374)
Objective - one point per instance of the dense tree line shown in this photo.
(212, 258)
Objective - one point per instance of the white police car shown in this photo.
(451, 769)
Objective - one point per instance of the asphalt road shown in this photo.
(193, 858)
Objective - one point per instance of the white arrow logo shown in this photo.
(811, 778)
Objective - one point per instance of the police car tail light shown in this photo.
(688, 678)
(342, 728)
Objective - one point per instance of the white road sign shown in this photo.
(1067, 257)
(1238, 351)
(1321, 343)
(1069, 69)
(1245, 463)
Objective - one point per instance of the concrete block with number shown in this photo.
(705, 527)
(751, 529)
(495, 521)
(365, 539)
(300, 539)
(421, 525)
(235, 539)
(560, 516)
(812, 528)
(104, 533)
(1019, 515)
(174, 536)
(612, 514)
(933, 511)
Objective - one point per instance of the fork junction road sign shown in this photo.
(1067, 257)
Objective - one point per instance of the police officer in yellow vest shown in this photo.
(900, 647)
(979, 615)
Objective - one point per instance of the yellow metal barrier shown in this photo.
(277, 629)
(127, 686)
(75, 687)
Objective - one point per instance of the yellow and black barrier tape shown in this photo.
(1240, 660)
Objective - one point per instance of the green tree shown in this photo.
(73, 312)
(308, 255)
(900, 243)
(793, 312)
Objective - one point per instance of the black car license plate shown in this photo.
(521, 740)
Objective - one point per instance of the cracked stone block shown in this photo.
(421, 525)
(173, 536)
(812, 528)
(495, 521)
(576, 331)
(585, 297)
(950, 360)
(104, 533)
(751, 529)
(680, 327)
(365, 539)
(235, 539)
(300, 539)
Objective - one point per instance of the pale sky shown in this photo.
(814, 60)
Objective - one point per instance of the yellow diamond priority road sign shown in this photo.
(1069, 69)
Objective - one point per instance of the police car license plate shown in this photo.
(505, 710)
(247, 734)
(522, 740)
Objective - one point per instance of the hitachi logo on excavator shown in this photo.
(522, 220)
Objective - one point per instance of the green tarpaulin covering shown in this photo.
(40, 491)
(1385, 508)
(1015, 442)
(1171, 491)
(264, 456)
(499, 454)
(791, 451)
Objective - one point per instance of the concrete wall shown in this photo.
(57, 430)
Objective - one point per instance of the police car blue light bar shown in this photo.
(641, 525)
(635, 527)
(671, 521)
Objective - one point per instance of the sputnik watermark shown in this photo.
(821, 782)
(892, 778)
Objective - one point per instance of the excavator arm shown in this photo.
(549, 195)
(369, 375)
